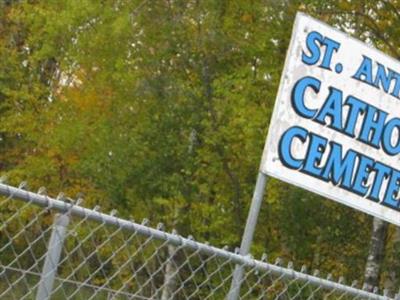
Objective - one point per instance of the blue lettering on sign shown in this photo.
(332, 109)
(383, 78)
(392, 191)
(350, 170)
(317, 146)
(356, 108)
(373, 126)
(313, 39)
(339, 169)
(298, 96)
(314, 42)
(285, 146)
(348, 115)
(364, 72)
(382, 172)
(376, 129)
(388, 147)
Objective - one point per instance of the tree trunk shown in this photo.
(170, 275)
(392, 280)
(376, 254)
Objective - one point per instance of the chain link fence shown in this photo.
(52, 249)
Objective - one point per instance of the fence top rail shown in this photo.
(45, 201)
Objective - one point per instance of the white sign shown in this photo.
(335, 128)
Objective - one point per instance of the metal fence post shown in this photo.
(49, 271)
(248, 234)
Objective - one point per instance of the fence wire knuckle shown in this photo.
(54, 248)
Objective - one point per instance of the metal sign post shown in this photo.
(248, 233)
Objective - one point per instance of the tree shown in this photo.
(160, 108)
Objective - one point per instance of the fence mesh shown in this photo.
(50, 249)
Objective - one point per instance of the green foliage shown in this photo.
(160, 108)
